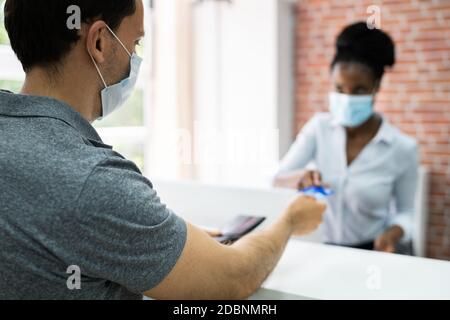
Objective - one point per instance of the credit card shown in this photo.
(317, 192)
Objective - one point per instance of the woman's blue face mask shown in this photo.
(351, 110)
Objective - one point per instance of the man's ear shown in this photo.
(97, 41)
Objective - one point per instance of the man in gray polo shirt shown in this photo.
(69, 203)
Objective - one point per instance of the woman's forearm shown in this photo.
(288, 180)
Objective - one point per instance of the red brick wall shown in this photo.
(415, 95)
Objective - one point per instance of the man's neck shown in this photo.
(39, 82)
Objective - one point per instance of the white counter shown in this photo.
(320, 271)
(307, 269)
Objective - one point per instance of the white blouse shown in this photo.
(375, 192)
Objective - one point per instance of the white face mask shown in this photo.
(114, 96)
(351, 110)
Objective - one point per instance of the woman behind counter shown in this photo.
(368, 163)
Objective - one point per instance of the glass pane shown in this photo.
(129, 115)
(132, 152)
(132, 113)
(3, 35)
(13, 86)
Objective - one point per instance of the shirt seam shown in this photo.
(77, 204)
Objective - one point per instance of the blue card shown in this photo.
(317, 192)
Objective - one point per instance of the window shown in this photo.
(223, 80)
(216, 78)
(125, 130)
(11, 77)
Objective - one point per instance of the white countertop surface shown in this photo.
(320, 271)
(307, 269)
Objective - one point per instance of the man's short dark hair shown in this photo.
(38, 29)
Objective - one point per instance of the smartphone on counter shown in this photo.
(239, 227)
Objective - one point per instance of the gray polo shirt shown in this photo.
(67, 199)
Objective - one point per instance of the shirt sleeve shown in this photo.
(124, 233)
(404, 195)
(302, 150)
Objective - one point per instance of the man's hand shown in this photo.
(224, 272)
(305, 215)
(387, 241)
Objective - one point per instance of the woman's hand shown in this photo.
(299, 179)
(310, 178)
(387, 241)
